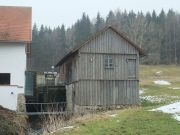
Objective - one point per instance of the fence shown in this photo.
(45, 108)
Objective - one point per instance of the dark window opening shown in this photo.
(5, 78)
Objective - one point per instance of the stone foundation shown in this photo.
(81, 110)
(21, 107)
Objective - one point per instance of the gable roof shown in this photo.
(74, 50)
(15, 24)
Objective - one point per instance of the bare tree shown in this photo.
(137, 29)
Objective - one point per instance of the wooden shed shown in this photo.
(103, 71)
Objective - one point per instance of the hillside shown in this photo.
(11, 123)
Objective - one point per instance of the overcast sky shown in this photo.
(57, 12)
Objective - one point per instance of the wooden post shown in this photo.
(69, 93)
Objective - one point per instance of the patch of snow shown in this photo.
(68, 127)
(158, 72)
(176, 116)
(173, 108)
(153, 98)
(176, 88)
(113, 115)
(141, 91)
(158, 99)
(162, 82)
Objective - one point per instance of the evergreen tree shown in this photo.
(82, 29)
(110, 18)
(99, 24)
(63, 38)
(156, 33)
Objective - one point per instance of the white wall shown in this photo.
(13, 61)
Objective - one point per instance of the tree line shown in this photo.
(157, 34)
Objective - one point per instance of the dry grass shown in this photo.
(12, 123)
(168, 72)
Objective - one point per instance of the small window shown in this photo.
(4, 78)
(108, 62)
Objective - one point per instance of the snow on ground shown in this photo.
(173, 109)
(141, 91)
(68, 127)
(153, 98)
(162, 82)
(177, 117)
(113, 115)
(176, 88)
(158, 99)
(158, 72)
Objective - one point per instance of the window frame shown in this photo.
(108, 62)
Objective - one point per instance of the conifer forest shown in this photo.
(156, 33)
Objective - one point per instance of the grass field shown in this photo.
(138, 120)
(168, 73)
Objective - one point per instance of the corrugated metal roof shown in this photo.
(15, 24)
(74, 50)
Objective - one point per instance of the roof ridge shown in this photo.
(77, 47)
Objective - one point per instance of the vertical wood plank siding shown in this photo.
(74, 63)
(96, 85)
(100, 92)
(92, 66)
(109, 42)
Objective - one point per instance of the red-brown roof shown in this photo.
(15, 24)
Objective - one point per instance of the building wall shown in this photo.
(109, 42)
(98, 86)
(92, 66)
(68, 72)
(13, 61)
(106, 93)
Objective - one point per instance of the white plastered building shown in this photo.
(15, 40)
